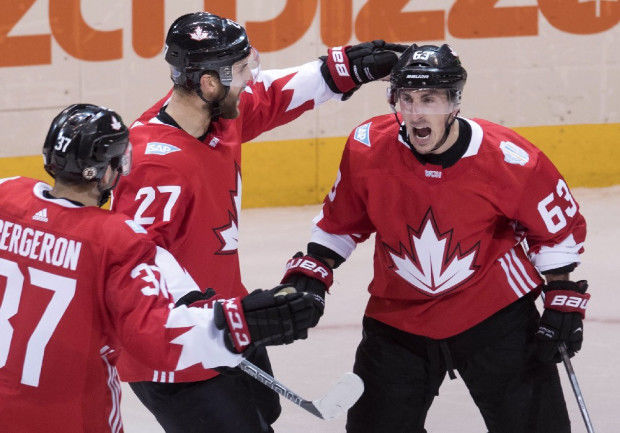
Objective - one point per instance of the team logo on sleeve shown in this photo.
(513, 154)
(429, 263)
(155, 148)
(362, 134)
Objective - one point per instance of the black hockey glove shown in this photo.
(196, 298)
(264, 317)
(562, 320)
(346, 68)
(311, 275)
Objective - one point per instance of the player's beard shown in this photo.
(229, 107)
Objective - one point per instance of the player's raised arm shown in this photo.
(277, 96)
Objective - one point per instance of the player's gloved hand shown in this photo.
(346, 68)
(264, 317)
(562, 320)
(311, 275)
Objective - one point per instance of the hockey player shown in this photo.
(450, 199)
(77, 283)
(185, 190)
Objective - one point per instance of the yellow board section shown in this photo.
(28, 166)
(587, 155)
(299, 172)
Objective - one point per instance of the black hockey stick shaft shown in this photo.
(570, 371)
(270, 382)
(576, 389)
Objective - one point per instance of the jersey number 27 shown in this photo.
(150, 194)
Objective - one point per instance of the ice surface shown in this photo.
(270, 236)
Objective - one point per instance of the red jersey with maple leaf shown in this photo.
(187, 192)
(77, 284)
(447, 251)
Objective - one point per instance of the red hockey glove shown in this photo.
(346, 68)
(308, 274)
(562, 320)
(264, 317)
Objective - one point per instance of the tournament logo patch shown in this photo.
(513, 154)
(362, 134)
(155, 148)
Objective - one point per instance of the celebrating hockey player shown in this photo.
(450, 200)
(185, 190)
(77, 283)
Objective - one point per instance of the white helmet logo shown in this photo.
(199, 34)
(116, 124)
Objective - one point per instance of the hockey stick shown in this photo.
(573, 382)
(576, 390)
(337, 400)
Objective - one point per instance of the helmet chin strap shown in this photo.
(449, 122)
(104, 193)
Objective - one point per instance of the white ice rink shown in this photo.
(270, 236)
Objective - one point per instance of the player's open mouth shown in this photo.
(422, 132)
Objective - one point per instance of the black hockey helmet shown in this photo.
(428, 66)
(200, 42)
(83, 140)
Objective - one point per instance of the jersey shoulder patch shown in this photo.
(157, 148)
(514, 154)
(362, 134)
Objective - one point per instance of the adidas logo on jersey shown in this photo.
(433, 173)
(41, 215)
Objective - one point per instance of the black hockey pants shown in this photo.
(402, 374)
(228, 403)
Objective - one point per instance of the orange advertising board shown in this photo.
(466, 19)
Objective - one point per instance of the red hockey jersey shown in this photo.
(447, 251)
(76, 284)
(187, 193)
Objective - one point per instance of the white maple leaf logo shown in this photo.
(116, 124)
(431, 267)
(201, 328)
(199, 34)
(229, 233)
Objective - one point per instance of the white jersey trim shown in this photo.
(40, 187)
(343, 245)
(6, 179)
(557, 256)
(163, 376)
(114, 385)
(516, 275)
(476, 138)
